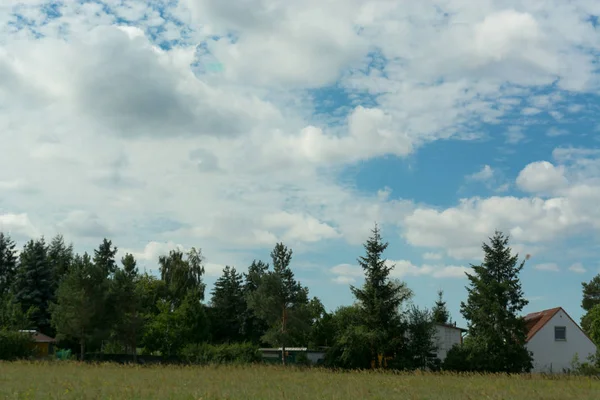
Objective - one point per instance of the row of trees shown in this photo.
(89, 301)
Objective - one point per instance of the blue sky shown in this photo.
(186, 123)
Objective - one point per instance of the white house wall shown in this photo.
(446, 338)
(555, 356)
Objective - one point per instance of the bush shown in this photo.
(15, 345)
(458, 359)
(237, 353)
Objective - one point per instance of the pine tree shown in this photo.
(440, 313)
(128, 319)
(380, 298)
(33, 283)
(495, 299)
(104, 257)
(60, 257)
(228, 306)
(8, 263)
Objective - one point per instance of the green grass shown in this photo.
(71, 380)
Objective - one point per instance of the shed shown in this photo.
(42, 344)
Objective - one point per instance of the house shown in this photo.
(446, 336)
(554, 338)
(43, 345)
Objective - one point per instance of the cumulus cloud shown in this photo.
(348, 273)
(114, 125)
(541, 177)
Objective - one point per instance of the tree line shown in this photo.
(96, 303)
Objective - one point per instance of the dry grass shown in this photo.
(70, 380)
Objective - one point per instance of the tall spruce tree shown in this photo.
(33, 283)
(497, 332)
(228, 307)
(380, 299)
(8, 263)
(440, 313)
(60, 257)
(128, 318)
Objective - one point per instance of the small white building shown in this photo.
(554, 338)
(446, 337)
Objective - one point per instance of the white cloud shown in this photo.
(515, 135)
(124, 138)
(541, 177)
(577, 268)
(547, 267)
(348, 273)
(18, 224)
(485, 174)
(432, 256)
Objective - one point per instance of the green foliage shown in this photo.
(458, 359)
(589, 367)
(592, 322)
(441, 315)
(496, 333)
(173, 328)
(12, 316)
(253, 328)
(80, 302)
(235, 353)
(228, 307)
(60, 258)
(15, 345)
(420, 346)
(129, 318)
(281, 301)
(591, 299)
(33, 286)
(380, 300)
(8, 263)
(182, 274)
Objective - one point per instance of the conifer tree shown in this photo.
(33, 283)
(228, 306)
(495, 300)
(440, 313)
(8, 263)
(380, 299)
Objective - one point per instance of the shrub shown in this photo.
(15, 345)
(458, 359)
(237, 353)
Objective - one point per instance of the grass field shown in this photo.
(68, 380)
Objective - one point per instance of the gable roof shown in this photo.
(537, 320)
(39, 337)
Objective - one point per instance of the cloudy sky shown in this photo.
(231, 126)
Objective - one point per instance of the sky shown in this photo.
(169, 124)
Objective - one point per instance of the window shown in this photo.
(560, 333)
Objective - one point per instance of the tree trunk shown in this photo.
(82, 347)
(283, 338)
(134, 342)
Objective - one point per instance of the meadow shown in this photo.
(72, 380)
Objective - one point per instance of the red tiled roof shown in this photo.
(536, 321)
